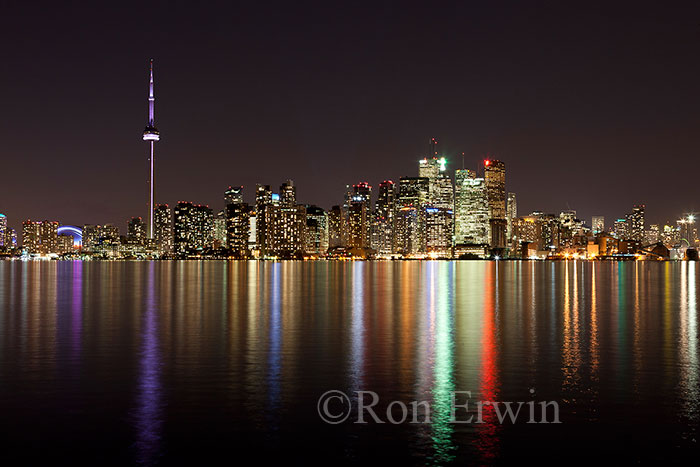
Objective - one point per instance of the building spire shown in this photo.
(151, 101)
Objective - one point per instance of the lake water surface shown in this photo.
(194, 362)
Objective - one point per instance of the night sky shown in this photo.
(593, 108)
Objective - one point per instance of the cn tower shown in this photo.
(150, 134)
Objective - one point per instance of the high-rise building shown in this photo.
(64, 244)
(3, 230)
(238, 229)
(412, 200)
(163, 223)
(621, 229)
(471, 209)
(31, 236)
(263, 203)
(636, 223)
(598, 224)
(220, 231)
(359, 216)
(100, 238)
(511, 213)
(151, 134)
(316, 236)
(193, 227)
(136, 231)
(495, 183)
(335, 226)
(233, 195)
(40, 237)
(383, 226)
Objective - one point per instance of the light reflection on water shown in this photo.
(162, 361)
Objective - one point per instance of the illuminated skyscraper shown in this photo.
(636, 223)
(316, 236)
(335, 225)
(163, 219)
(495, 183)
(3, 229)
(238, 229)
(358, 216)
(410, 238)
(598, 224)
(511, 213)
(263, 203)
(471, 209)
(40, 237)
(234, 194)
(151, 134)
(136, 231)
(383, 226)
(193, 227)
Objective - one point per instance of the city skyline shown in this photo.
(350, 97)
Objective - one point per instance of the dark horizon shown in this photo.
(591, 109)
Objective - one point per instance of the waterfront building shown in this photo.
(193, 227)
(136, 231)
(263, 202)
(383, 225)
(233, 195)
(471, 209)
(495, 186)
(335, 226)
(598, 224)
(410, 238)
(238, 229)
(3, 230)
(636, 223)
(511, 213)
(316, 235)
(163, 224)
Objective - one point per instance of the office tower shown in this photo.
(220, 231)
(358, 225)
(636, 223)
(233, 195)
(316, 236)
(335, 225)
(621, 229)
(686, 233)
(359, 216)
(263, 202)
(383, 227)
(495, 183)
(151, 134)
(193, 227)
(288, 194)
(40, 237)
(100, 238)
(598, 224)
(3, 230)
(238, 229)
(48, 237)
(471, 209)
(64, 244)
(511, 213)
(31, 236)
(653, 235)
(439, 231)
(163, 223)
(252, 223)
(136, 231)
(9, 239)
(412, 200)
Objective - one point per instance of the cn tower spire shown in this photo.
(150, 134)
(151, 101)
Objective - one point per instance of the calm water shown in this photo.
(191, 362)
